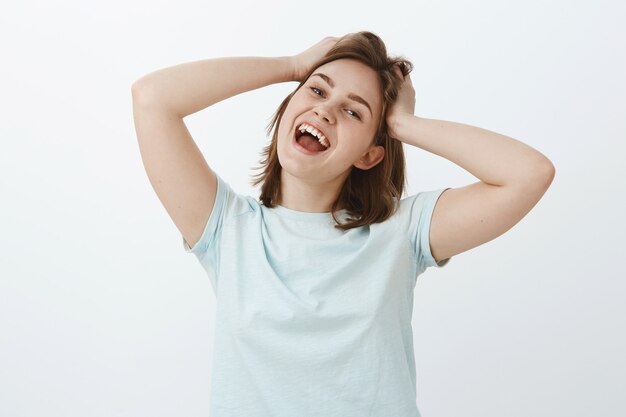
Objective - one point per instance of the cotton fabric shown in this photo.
(311, 320)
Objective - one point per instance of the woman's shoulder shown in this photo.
(235, 202)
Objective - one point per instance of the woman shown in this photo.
(314, 282)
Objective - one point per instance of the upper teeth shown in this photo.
(322, 139)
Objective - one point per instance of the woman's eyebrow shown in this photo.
(351, 96)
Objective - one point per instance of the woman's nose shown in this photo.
(323, 112)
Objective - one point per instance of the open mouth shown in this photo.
(310, 140)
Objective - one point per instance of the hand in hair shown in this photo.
(303, 61)
(405, 102)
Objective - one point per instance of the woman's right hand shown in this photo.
(303, 61)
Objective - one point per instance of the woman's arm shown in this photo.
(178, 172)
(491, 157)
(513, 176)
(182, 179)
(187, 88)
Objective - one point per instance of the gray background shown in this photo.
(102, 313)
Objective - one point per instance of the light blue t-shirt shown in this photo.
(312, 321)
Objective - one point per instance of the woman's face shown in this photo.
(343, 99)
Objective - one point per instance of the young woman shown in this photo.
(314, 281)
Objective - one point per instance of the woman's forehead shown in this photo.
(350, 76)
(348, 71)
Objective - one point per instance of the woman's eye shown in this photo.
(355, 114)
(316, 89)
(321, 94)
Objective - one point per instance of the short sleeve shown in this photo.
(420, 211)
(207, 248)
(212, 228)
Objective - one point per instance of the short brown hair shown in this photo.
(370, 196)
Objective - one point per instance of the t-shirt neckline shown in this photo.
(304, 215)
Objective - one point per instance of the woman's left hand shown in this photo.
(405, 102)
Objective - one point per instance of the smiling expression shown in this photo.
(342, 99)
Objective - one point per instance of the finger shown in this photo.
(397, 70)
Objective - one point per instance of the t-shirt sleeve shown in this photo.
(420, 212)
(207, 247)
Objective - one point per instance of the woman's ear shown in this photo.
(371, 158)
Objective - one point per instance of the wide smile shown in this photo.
(300, 131)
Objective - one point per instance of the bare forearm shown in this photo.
(187, 88)
(491, 157)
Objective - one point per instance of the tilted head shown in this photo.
(345, 98)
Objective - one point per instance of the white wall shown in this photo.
(102, 313)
